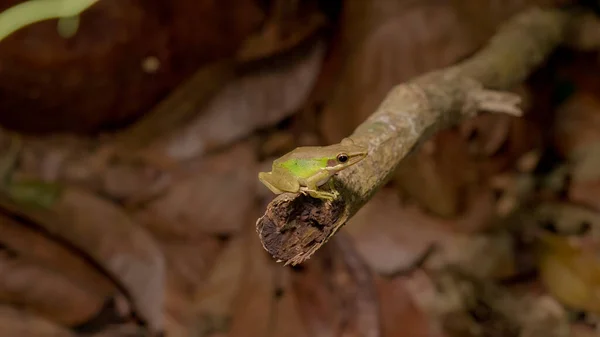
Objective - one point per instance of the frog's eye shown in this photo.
(342, 157)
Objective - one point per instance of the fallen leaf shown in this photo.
(336, 292)
(316, 300)
(188, 263)
(484, 17)
(121, 330)
(216, 298)
(437, 174)
(391, 238)
(569, 271)
(418, 39)
(255, 304)
(100, 77)
(287, 26)
(260, 97)
(21, 238)
(585, 193)
(108, 236)
(401, 317)
(46, 293)
(576, 125)
(15, 322)
(288, 319)
(202, 203)
(582, 330)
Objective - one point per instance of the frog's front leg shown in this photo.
(312, 189)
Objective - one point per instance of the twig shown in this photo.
(410, 114)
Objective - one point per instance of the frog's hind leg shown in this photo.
(265, 178)
(282, 186)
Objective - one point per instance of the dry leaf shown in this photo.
(216, 298)
(484, 17)
(44, 292)
(570, 271)
(98, 77)
(577, 137)
(108, 236)
(259, 98)
(122, 330)
(316, 300)
(391, 238)
(21, 238)
(400, 316)
(582, 330)
(288, 320)
(436, 176)
(15, 322)
(287, 26)
(216, 198)
(586, 193)
(420, 39)
(254, 306)
(188, 266)
(190, 261)
(336, 292)
(576, 125)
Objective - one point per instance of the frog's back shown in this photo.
(301, 162)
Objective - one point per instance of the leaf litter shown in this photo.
(432, 254)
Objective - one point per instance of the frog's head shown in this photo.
(343, 155)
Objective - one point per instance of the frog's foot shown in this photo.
(323, 195)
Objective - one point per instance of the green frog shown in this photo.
(305, 169)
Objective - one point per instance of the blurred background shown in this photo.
(130, 151)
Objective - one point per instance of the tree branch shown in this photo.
(295, 226)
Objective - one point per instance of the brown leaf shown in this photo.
(586, 193)
(577, 123)
(570, 271)
(215, 300)
(582, 330)
(392, 238)
(336, 292)
(498, 141)
(400, 316)
(188, 265)
(437, 174)
(178, 107)
(255, 305)
(288, 26)
(258, 98)
(108, 236)
(577, 137)
(97, 77)
(419, 39)
(15, 322)
(44, 292)
(265, 304)
(122, 330)
(316, 300)
(484, 17)
(216, 199)
(21, 238)
(288, 319)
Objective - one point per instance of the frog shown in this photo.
(305, 169)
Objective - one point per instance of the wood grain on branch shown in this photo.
(295, 226)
